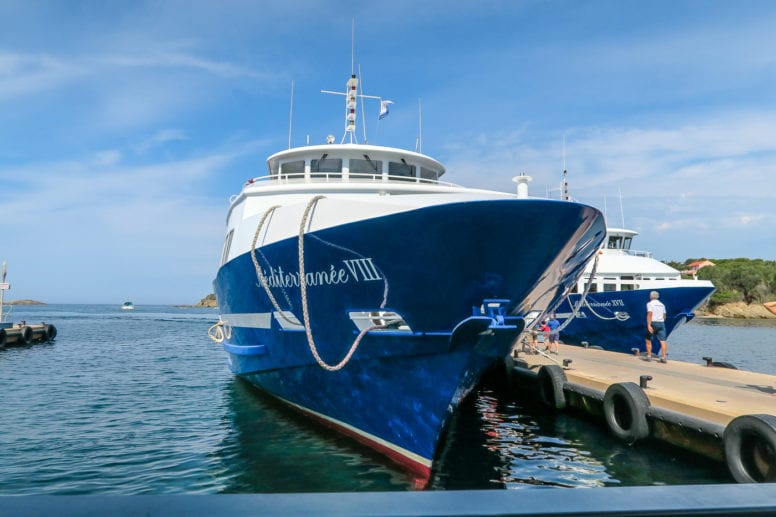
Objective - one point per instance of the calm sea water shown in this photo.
(142, 402)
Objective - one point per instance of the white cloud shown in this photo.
(25, 74)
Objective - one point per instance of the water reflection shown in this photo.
(500, 443)
(496, 444)
(269, 448)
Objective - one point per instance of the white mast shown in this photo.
(351, 95)
(420, 126)
(291, 114)
(3, 288)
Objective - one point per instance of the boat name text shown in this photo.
(607, 303)
(358, 270)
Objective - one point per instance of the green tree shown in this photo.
(749, 280)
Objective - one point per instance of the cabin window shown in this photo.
(227, 245)
(627, 243)
(429, 174)
(615, 242)
(296, 167)
(365, 166)
(574, 289)
(401, 169)
(627, 283)
(593, 288)
(325, 166)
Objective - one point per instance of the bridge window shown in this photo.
(296, 167)
(401, 169)
(365, 166)
(429, 174)
(615, 242)
(325, 166)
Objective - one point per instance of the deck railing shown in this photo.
(339, 177)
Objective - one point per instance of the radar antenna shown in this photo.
(351, 95)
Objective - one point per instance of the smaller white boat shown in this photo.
(127, 306)
(613, 313)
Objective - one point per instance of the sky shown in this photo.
(126, 126)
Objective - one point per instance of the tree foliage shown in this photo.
(741, 279)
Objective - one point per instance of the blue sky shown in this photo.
(126, 126)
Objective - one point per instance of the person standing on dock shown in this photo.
(553, 324)
(656, 326)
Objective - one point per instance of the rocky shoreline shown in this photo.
(737, 310)
(208, 302)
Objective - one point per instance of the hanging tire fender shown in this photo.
(551, 380)
(750, 448)
(625, 410)
(25, 335)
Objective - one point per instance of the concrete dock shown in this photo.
(722, 413)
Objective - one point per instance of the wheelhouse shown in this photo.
(352, 162)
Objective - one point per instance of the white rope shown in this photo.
(260, 273)
(303, 290)
(216, 332)
(305, 311)
(582, 299)
(574, 311)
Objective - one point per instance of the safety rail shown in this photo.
(340, 177)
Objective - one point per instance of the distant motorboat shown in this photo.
(613, 313)
(127, 306)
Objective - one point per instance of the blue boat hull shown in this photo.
(617, 320)
(436, 267)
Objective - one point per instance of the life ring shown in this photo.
(750, 448)
(551, 380)
(625, 411)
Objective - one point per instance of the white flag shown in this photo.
(384, 108)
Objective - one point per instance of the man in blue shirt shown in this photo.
(554, 324)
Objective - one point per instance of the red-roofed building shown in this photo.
(694, 267)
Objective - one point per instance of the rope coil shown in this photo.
(216, 332)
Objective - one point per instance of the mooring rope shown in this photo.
(303, 291)
(582, 299)
(216, 332)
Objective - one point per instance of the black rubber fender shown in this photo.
(625, 411)
(51, 332)
(3, 338)
(750, 448)
(25, 336)
(550, 381)
(722, 364)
